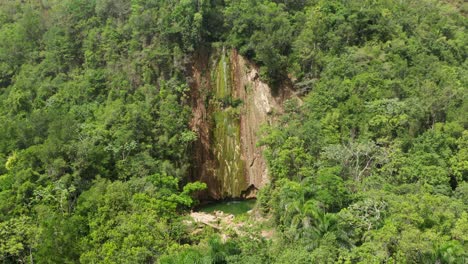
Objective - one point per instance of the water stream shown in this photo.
(226, 133)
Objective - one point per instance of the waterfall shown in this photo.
(229, 104)
(230, 169)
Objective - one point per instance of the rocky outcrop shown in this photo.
(230, 103)
(227, 225)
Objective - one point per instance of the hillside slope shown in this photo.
(117, 116)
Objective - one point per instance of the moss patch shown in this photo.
(226, 132)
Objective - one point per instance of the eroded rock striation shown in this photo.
(230, 104)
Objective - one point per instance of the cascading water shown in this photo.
(229, 104)
(226, 132)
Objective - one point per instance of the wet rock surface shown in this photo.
(230, 104)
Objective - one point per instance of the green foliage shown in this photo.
(16, 235)
(261, 30)
(94, 117)
(134, 220)
(370, 166)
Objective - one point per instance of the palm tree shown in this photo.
(447, 253)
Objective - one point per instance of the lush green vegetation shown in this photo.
(370, 167)
(94, 138)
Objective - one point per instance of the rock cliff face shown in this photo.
(229, 104)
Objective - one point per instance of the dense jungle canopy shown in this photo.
(368, 165)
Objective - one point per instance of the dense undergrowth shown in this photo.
(370, 167)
